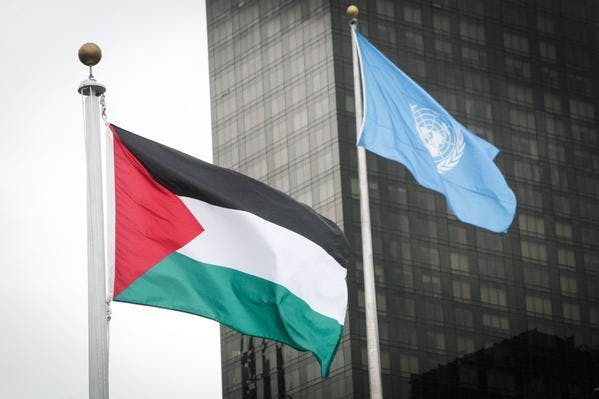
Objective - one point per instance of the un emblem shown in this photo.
(442, 138)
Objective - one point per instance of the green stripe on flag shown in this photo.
(241, 301)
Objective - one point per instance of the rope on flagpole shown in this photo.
(103, 108)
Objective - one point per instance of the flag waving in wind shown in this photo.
(193, 237)
(404, 123)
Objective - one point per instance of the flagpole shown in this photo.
(90, 54)
(372, 329)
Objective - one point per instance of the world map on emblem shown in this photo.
(442, 137)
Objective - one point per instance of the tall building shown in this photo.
(521, 74)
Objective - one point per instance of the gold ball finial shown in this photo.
(90, 54)
(352, 11)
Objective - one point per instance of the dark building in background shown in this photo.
(462, 312)
(529, 365)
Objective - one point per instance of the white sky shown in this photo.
(155, 68)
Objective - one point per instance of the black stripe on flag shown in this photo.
(187, 176)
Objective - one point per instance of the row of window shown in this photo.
(535, 277)
(406, 335)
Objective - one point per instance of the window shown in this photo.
(549, 76)
(431, 283)
(459, 263)
(517, 67)
(545, 24)
(533, 250)
(387, 33)
(522, 119)
(527, 195)
(493, 296)
(580, 84)
(427, 255)
(406, 307)
(496, 321)
(471, 6)
(527, 171)
(324, 161)
(441, 23)
(571, 312)
(474, 55)
(489, 241)
(281, 182)
(412, 14)
(461, 291)
(476, 82)
(559, 177)
(414, 67)
(448, 100)
(472, 31)
(407, 335)
(581, 110)
(536, 277)
(464, 318)
(590, 235)
(578, 57)
(424, 227)
(491, 267)
(586, 160)
(561, 204)
(529, 224)
(563, 230)
(457, 234)
(555, 126)
(257, 169)
(591, 261)
(557, 152)
(568, 285)
(396, 192)
(513, 14)
(594, 316)
(547, 51)
(519, 95)
(465, 345)
(385, 7)
(414, 40)
(481, 131)
(552, 102)
(443, 47)
(435, 340)
(565, 257)
(280, 157)
(538, 306)
(326, 190)
(408, 364)
(234, 376)
(381, 301)
(434, 312)
(525, 146)
(515, 43)
(477, 108)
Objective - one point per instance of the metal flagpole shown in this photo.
(372, 328)
(90, 54)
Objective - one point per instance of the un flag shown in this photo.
(404, 123)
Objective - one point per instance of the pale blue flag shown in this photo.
(404, 123)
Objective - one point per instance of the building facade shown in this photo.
(522, 75)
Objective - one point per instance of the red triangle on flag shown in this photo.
(151, 221)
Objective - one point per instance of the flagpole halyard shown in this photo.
(372, 331)
(98, 311)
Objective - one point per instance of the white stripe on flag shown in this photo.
(245, 242)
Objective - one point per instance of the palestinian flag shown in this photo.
(193, 237)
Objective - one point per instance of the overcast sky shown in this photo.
(155, 68)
